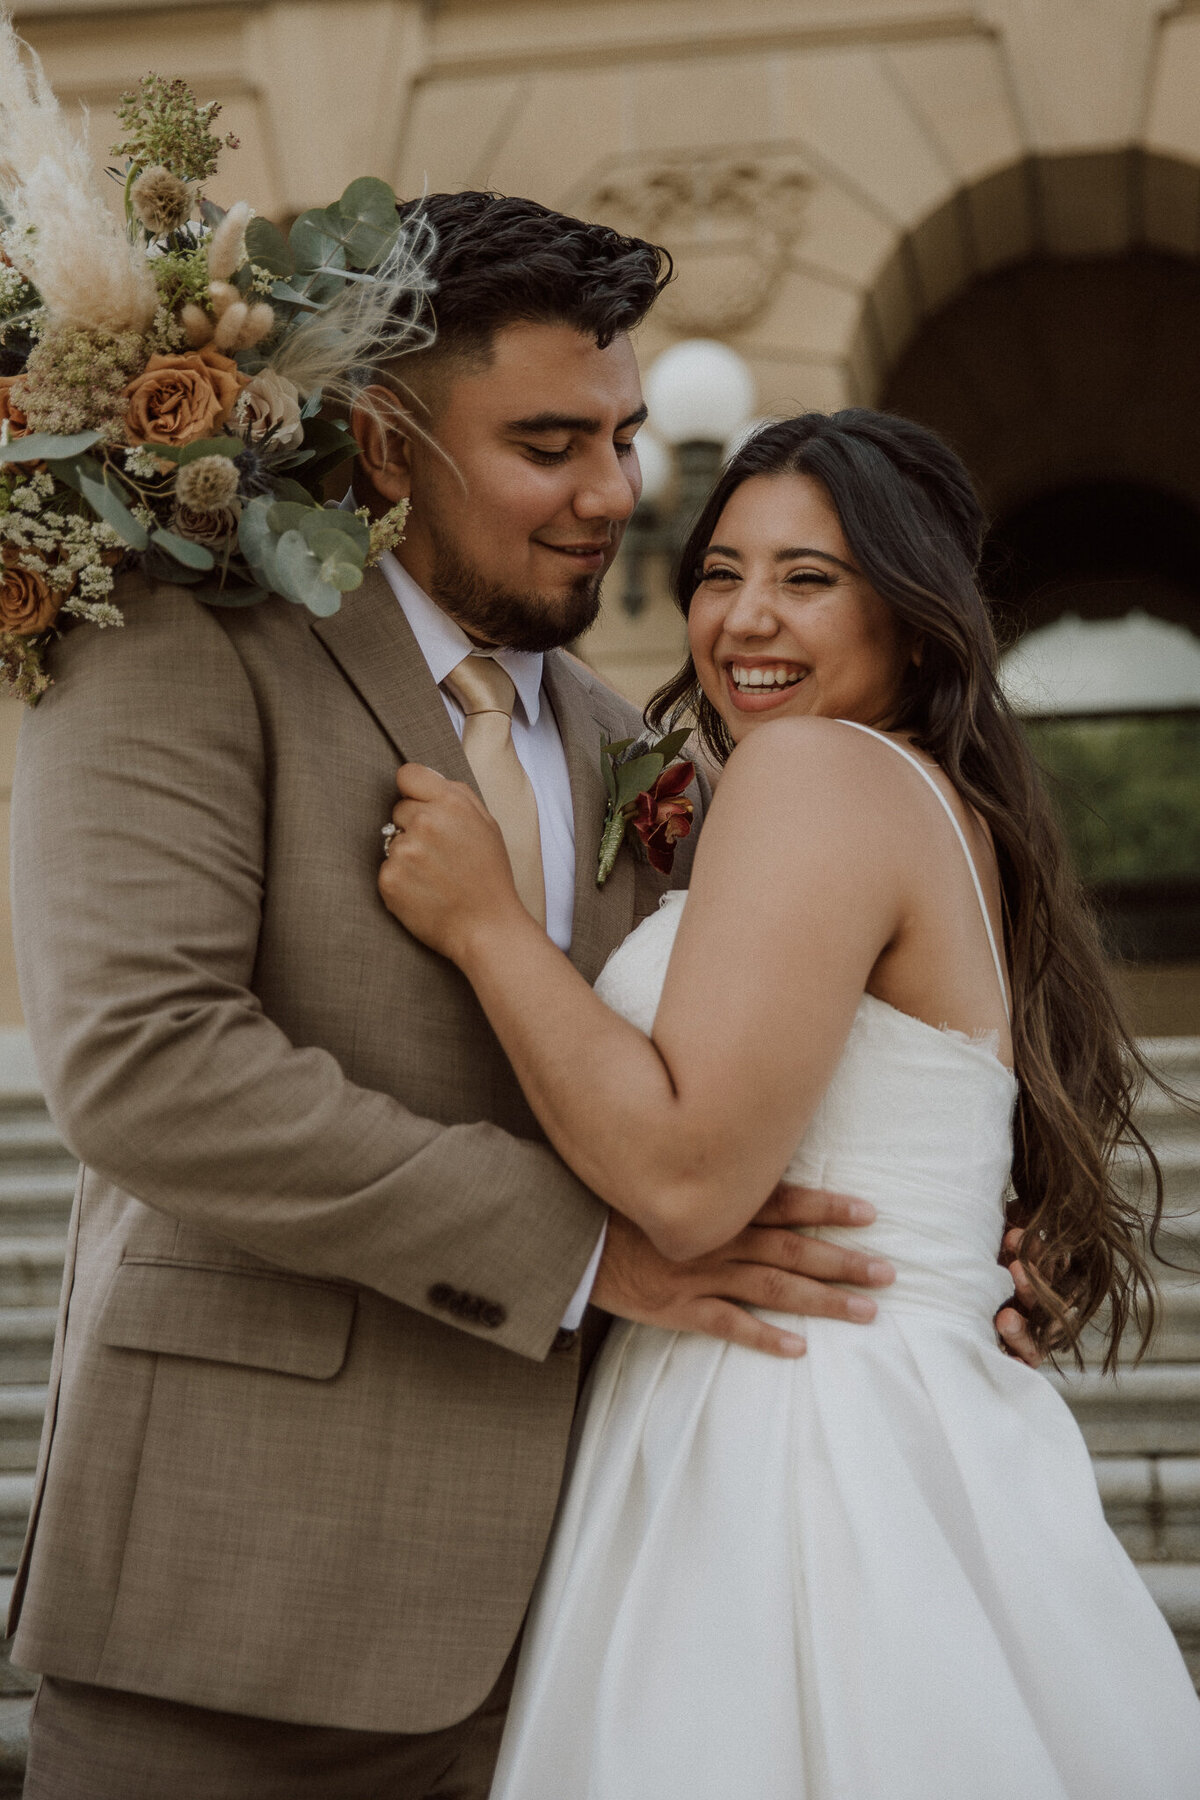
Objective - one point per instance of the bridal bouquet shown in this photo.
(164, 380)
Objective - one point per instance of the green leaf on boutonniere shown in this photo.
(631, 768)
(669, 747)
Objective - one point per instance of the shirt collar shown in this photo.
(443, 644)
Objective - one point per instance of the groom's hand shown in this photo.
(766, 1265)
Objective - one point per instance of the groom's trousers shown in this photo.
(95, 1743)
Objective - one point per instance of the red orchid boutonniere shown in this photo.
(645, 789)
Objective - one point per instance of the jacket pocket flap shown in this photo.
(262, 1321)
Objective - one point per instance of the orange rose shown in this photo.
(27, 604)
(18, 424)
(177, 399)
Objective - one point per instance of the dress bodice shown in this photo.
(915, 1119)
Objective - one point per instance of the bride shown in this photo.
(881, 1572)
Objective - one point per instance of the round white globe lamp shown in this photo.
(655, 460)
(699, 392)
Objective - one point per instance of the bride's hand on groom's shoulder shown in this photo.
(767, 1265)
(446, 869)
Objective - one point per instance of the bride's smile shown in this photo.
(782, 622)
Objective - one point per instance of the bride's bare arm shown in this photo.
(793, 897)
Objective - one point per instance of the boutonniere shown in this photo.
(645, 789)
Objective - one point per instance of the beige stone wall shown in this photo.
(828, 173)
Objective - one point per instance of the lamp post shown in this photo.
(700, 393)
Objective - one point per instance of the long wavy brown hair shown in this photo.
(915, 527)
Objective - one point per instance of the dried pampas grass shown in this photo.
(63, 238)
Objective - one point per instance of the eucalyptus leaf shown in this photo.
(291, 296)
(210, 213)
(289, 515)
(613, 750)
(610, 782)
(267, 246)
(634, 778)
(339, 566)
(301, 578)
(212, 595)
(48, 446)
(193, 556)
(186, 453)
(368, 209)
(218, 446)
(346, 524)
(257, 542)
(318, 238)
(114, 512)
(312, 405)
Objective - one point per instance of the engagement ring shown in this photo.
(387, 833)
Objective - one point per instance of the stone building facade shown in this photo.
(984, 214)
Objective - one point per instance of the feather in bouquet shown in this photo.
(163, 383)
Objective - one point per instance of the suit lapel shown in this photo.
(372, 644)
(586, 716)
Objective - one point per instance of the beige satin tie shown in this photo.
(486, 695)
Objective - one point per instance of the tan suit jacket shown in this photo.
(306, 1425)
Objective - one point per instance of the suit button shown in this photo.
(564, 1339)
(492, 1314)
(442, 1295)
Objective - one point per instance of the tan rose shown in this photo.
(213, 527)
(271, 401)
(27, 604)
(177, 399)
(18, 424)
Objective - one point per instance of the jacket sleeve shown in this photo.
(139, 805)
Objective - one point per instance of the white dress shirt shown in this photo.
(540, 752)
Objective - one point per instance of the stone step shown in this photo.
(16, 1497)
(31, 1269)
(1176, 1590)
(1153, 1409)
(22, 1409)
(28, 1133)
(26, 1344)
(36, 1202)
(1153, 1505)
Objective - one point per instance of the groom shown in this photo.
(318, 1352)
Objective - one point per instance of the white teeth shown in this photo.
(747, 679)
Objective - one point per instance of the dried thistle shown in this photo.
(165, 123)
(209, 484)
(161, 201)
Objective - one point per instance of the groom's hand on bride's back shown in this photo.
(768, 1265)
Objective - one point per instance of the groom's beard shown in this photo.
(497, 615)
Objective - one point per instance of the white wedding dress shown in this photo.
(880, 1572)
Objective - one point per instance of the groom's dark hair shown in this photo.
(503, 261)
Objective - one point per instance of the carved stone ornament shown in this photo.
(728, 220)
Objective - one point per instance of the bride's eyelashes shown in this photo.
(718, 573)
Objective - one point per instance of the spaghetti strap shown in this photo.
(923, 772)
